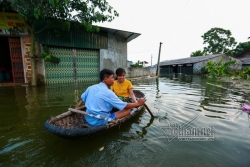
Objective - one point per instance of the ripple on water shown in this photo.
(10, 146)
(142, 141)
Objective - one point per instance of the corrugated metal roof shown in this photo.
(129, 36)
(78, 37)
(245, 61)
(189, 60)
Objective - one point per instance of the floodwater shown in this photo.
(179, 103)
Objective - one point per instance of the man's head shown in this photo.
(107, 77)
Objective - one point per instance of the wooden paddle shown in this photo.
(146, 106)
(149, 110)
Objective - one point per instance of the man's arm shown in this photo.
(126, 110)
(140, 102)
(80, 103)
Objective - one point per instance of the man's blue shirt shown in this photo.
(99, 99)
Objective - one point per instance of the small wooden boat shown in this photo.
(72, 124)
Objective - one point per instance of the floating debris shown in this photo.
(100, 149)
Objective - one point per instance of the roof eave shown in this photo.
(129, 36)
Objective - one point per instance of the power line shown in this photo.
(144, 51)
(184, 6)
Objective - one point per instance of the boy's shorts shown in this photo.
(112, 115)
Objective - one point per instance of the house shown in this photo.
(82, 55)
(245, 62)
(129, 63)
(194, 65)
(11, 55)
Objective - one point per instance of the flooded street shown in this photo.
(176, 101)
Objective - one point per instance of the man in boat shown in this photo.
(100, 100)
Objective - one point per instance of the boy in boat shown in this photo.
(123, 87)
(100, 100)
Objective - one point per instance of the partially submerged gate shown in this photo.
(16, 59)
(87, 63)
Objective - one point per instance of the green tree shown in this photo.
(197, 53)
(241, 49)
(85, 12)
(218, 40)
(219, 70)
(138, 64)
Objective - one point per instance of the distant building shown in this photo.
(129, 63)
(245, 62)
(194, 65)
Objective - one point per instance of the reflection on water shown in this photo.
(140, 142)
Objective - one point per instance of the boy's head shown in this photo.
(120, 71)
(120, 75)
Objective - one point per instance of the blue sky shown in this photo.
(178, 24)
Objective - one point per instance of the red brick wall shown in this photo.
(26, 45)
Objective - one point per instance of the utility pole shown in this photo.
(158, 63)
(151, 60)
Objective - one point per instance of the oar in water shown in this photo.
(149, 110)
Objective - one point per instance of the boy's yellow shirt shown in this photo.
(122, 89)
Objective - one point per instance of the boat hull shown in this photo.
(73, 125)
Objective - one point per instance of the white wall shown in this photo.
(116, 55)
(141, 72)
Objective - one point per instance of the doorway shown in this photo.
(175, 68)
(11, 62)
